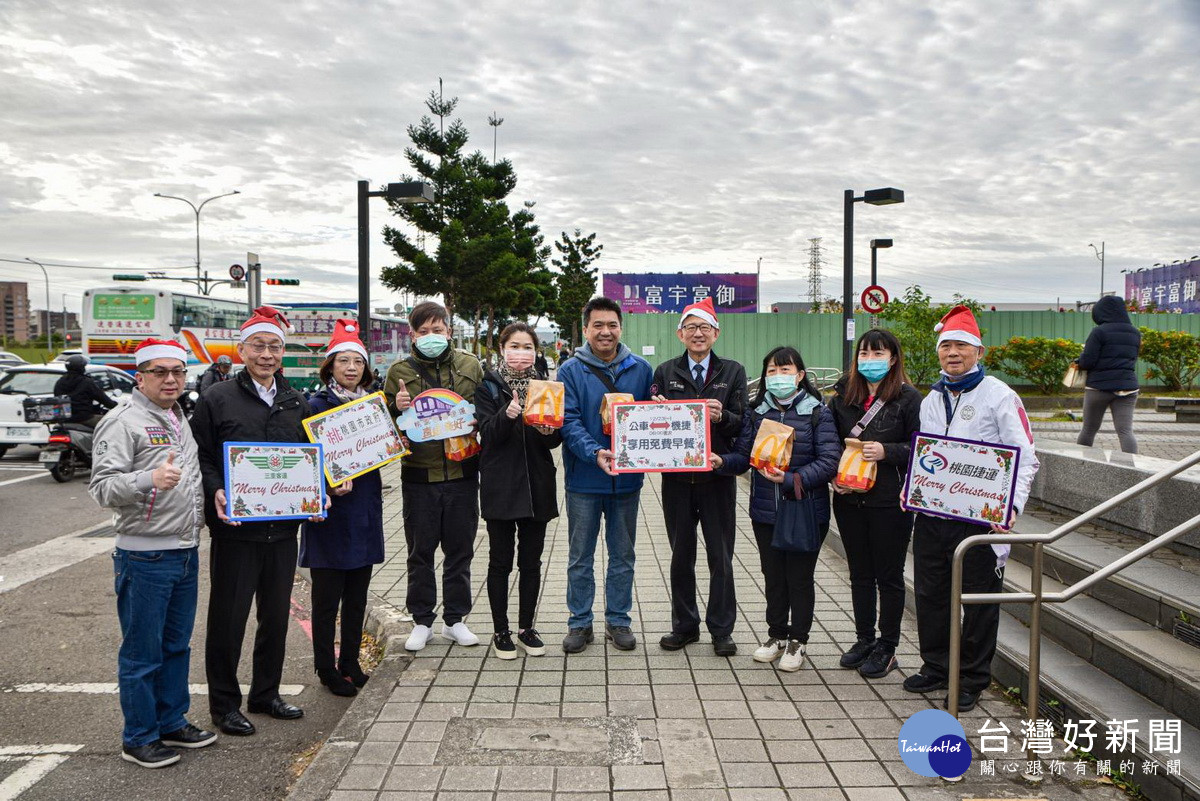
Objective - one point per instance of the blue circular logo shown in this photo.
(932, 743)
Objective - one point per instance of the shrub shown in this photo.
(1174, 357)
(1038, 360)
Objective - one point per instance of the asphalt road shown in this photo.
(62, 629)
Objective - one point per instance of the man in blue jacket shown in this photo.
(594, 488)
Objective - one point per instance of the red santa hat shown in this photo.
(152, 349)
(266, 320)
(345, 337)
(959, 325)
(704, 310)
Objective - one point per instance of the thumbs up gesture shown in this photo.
(403, 401)
(166, 475)
(514, 407)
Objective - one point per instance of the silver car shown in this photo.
(38, 380)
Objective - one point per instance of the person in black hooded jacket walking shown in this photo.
(1110, 358)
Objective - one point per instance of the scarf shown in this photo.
(343, 394)
(517, 379)
(966, 383)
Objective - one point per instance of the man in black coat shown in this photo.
(249, 561)
(706, 498)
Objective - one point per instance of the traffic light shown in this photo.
(128, 277)
(283, 281)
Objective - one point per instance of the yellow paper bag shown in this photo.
(772, 445)
(461, 448)
(544, 402)
(606, 407)
(854, 472)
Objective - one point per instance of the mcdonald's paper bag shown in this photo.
(544, 401)
(772, 445)
(854, 472)
(606, 407)
(461, 448)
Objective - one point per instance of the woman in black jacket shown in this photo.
(517, 488)
(1110, 358)
(875, 530)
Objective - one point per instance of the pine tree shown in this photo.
(576, 281)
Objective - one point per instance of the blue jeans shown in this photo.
(583, 529)
(156, 604)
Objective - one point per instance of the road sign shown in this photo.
(237, 272)
(237, 284)
(874, 298)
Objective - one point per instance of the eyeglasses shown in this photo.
(692, 328)
(160, 373)
(347, 361)
(257, 347)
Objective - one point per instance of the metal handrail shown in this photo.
(1036, 597)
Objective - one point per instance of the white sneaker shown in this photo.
(793, 657)
(770, 650)
(420, 637)
(459, 633)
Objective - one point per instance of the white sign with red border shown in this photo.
(874, 298)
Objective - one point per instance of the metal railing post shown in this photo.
(955, 666)
(1035, 653)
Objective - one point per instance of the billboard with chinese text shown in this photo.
(669, 293)
(1169, 288)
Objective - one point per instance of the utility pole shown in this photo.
(1099, 255)
(815, 263)
(495, 122)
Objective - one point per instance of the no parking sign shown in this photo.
(873, 299)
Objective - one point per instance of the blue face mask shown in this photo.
(873, 369)
(781, 386)
(432, 345)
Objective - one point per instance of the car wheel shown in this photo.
(3, 450)
(65, 469)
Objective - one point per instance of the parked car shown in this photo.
(66, 354)
(38, 380)
(9, 356)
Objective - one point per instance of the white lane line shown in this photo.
(104, 688)
(26, 469)
(48, 557)
(28, 775)
(38, 750)
(23, 478)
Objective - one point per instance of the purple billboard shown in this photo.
(1168, 288)
(669, 293)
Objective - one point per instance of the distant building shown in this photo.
(38, 322)
(14, 311)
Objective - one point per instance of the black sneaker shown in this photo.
(577, 639)
(622, 638)
(189, 737)
(531, 642)
(724, 646)
(675, 641)
(881, 662)
(858, 653)
(503, 645)
(920, 683)
(150, 755)
(966, 701)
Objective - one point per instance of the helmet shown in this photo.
(76, 363)
(224, 360)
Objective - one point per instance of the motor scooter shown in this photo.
(69, 449)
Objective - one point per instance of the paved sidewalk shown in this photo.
(1157, 434)
(684, 725)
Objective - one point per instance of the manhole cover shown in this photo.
(536, 741)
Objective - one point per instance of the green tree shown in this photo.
(575, 281)
(912, 318)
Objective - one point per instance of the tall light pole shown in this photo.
(49, 323)
(196, 209)
(495, 121)
(1099, 255)
(873, 197)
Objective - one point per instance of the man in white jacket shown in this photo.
(968, 404)
(145, 468)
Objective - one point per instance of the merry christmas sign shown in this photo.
(358, 437)
(273, 481)
(649, 437)
(961, 479)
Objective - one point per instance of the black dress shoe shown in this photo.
(675, 641)
(337, 683)
(724, 646)
(278, 709)
(234, 723)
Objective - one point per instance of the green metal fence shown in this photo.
(748, 337)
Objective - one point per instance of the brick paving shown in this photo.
(1157, 434)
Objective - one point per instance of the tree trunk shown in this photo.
(491, 332)
(475, 347)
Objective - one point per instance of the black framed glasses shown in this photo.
(161, 373)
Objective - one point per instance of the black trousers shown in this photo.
(791, 595)
(331, 588)
(713, 505)
(527, 538)
(445, 514)
(934, 541)
(876, 542)
(242, 571)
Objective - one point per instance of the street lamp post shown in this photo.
(1099, 255)
(876, 244)
(49, 322)
(758, 286)
(409, 192)
(197, 209)
(873, 197)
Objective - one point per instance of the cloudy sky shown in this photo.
(687, 136)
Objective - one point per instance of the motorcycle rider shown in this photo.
(86, 396)
(217, 372)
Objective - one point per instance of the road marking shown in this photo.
(49, 557)
(39, 760)
(30, 468)
(22, 478)
(105, 688)
(38, 750)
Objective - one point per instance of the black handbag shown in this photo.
(796, 527)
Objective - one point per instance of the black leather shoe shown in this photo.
(150, 755)
(337, 683)
(966, 701)
(278, 709)
(188, 737)
(674, 641)
(234, 723)
(724, 646)
(920, 683)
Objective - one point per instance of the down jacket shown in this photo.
(1111, 352)
(893, 426)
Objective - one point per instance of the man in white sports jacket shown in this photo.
(968, 404)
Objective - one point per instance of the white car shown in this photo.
(38, 380)
(9, 356)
